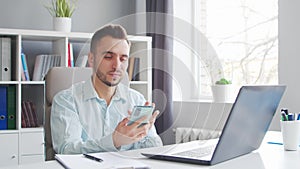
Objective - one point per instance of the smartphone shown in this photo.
(139, 112)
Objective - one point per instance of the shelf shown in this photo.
(8, 82)
(30, 95)
(8, 131)
(45, 34)
(33, 82)
(138, 82)
(31, 130)
(139, 38)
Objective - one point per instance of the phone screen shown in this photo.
(139, 112)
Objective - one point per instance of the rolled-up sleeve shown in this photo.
(68, 136)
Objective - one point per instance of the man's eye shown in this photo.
(124, 58)
(107, 56)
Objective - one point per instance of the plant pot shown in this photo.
(62, 24)
(222, 93)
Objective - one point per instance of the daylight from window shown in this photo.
(242, 33)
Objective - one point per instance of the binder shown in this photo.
(3, 108)
(136, 69)
(70, 55)
(42, 65)
(5, 59)
(46, 66)
(23, 78)
(57, 61)
(11, 107)
(25, 68)
(130, 67)
(38, 68)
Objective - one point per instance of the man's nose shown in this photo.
(116, 62)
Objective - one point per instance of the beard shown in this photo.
(101, 76)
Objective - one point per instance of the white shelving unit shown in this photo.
(26, 145)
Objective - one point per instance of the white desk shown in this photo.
(268, 156)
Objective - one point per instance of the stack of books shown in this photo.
(28, 115)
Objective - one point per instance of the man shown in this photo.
(92, 116)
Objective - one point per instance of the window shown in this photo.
(241, 45)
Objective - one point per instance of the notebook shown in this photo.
(243, 132)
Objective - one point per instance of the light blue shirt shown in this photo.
(81, 122)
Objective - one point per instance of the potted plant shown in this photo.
(222, 90)
(62, 11)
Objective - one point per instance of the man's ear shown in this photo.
(90, 59)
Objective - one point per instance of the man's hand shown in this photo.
(154, 115)
(125, 134)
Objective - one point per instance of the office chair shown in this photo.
(57, 79)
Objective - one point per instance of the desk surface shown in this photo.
(268, 156)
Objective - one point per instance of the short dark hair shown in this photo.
(115, 31)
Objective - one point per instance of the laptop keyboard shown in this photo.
(196, 153)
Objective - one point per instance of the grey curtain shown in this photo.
(160, 28)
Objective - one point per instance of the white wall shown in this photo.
(89, 15)
(289, 56)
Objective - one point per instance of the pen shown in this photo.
(285, 110)
(277, 143)
(93, 158)
(290, 117)
(271, 142)
(283, 116)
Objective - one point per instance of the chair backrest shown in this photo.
(57, 79)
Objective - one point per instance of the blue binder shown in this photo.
(25, 68)
(3, 108)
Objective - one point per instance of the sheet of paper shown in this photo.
(110, 160)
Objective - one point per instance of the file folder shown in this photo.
(11, 107)
(3, 108)
(5, 59)
(38, 67)
(24, 66)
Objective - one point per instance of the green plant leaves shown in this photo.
(223, 81)
(62, 8)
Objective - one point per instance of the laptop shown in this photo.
(243, 132)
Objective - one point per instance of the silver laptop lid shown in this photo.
(248, 121)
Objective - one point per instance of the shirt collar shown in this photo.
(90, 92)
(121, 92)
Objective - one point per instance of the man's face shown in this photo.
(111, 60)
